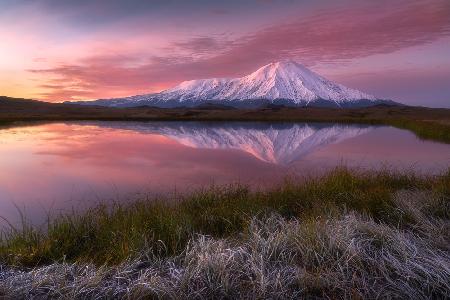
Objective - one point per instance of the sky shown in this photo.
(57, 50)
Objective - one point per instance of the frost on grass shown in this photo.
(349, 256)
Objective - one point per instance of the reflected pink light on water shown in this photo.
(41, 162)
(58, 166)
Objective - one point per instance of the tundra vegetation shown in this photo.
(347, 234)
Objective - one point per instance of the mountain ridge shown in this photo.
(284, 83)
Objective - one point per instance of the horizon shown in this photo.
(62, 50)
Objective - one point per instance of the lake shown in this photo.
(53, 167)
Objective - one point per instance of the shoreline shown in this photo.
(361, 190)
(426, 123)
(345, 233)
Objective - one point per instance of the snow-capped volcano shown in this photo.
(287, 83)
(273, 143)
(281, 80)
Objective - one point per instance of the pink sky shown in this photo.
(64, 50)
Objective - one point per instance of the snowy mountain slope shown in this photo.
(287, 83)
(277, 144)
(281, 80)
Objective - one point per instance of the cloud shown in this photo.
(327, 36)
(203, 44)
(347, 33)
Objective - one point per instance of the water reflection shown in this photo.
(272, 143)
(63, 165)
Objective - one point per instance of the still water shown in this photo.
(58, 166)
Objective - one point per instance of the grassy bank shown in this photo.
(345, 235)
(112, 234)
(429, 130)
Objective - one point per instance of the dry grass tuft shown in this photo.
(349, 255)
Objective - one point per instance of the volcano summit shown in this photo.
(282, 83)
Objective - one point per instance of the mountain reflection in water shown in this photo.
(56, 166)
(274, 143)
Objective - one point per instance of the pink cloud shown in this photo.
(328, 36)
